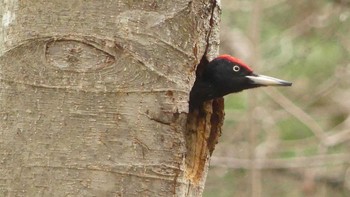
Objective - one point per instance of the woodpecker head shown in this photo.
(226, 74)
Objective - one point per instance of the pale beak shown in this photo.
(267, 81)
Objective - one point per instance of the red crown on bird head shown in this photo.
(235, 60)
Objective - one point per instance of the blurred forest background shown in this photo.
(286, 142)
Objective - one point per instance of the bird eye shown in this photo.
(236, 68)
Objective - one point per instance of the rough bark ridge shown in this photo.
(93, 96)
(204, 123)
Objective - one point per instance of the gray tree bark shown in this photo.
(94, 97)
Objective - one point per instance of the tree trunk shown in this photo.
(94, 97)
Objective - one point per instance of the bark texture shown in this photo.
(94, 97)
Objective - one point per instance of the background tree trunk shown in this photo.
(94, 96)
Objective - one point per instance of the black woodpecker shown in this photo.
(224, 75)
